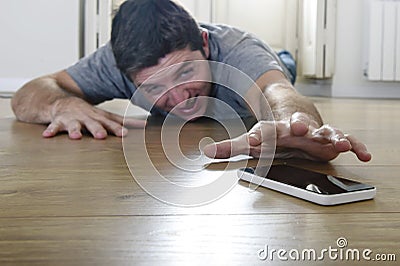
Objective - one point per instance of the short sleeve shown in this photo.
(254, 58)
(243, 51)
(99, 78)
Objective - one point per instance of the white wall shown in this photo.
(37, 37)
(42, 36)
(200, 9)
(351, 45)
(274, 21)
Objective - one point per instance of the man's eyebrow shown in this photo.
(181, 66)
(144, 85)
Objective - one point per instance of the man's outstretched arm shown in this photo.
(57, 100)
(298, 127)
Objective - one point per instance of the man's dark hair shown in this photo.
(143, 31)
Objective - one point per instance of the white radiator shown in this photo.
(384, 40)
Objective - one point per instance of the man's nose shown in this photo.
(177, 95)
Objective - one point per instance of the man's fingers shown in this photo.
(328, 134)
(359, 149)
(74, 114)
(340, 142)
(255, 138)
(99, 127)
(117, 118)
(262, 132)
(323, 134)
(219, 150)
(74, 130)
(104, 121)
(255, 143)
(112, 127)
(299, 124)
(135, 123)
(228, 148)
(125, 121)
(51, 130)
(96, 129)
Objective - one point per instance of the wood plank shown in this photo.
(61, 177)
(59, 166)
(92, 193)
(75, 202)
(193, 239)
(5, 108)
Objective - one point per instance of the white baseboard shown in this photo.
(328, 88)
(375, 91)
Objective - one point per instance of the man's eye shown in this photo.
(154, 90)
(186, 72)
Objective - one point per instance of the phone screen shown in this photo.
(308, 180)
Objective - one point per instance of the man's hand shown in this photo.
(72, 115)
(57, 100)
(301, 137)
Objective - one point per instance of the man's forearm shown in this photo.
(33, 103)
(285, 101)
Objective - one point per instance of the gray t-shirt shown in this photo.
(100, 80)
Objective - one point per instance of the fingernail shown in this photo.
(210, 150)
(254, 136)
(124, 131)
(297, 120)
(100, 135)
(47, 133)
(337, 140)
(367, 153)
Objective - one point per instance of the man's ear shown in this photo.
(204, 35)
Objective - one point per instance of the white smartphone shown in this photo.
(308, 185)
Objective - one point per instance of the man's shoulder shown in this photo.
(224, 39)
(227, 43)
(223, 31)
(105, 52)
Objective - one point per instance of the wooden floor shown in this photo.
(65, 202)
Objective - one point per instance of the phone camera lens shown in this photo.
(249, 170)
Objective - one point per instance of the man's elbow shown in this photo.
(17, 106)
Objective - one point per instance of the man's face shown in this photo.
(176, 82)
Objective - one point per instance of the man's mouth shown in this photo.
(188, 105)
(191, 102)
